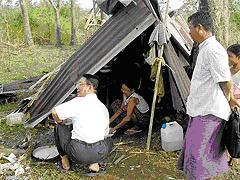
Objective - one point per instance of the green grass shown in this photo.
(27, 63)
(7, 107)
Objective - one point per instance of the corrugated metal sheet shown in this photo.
(180, 76)
(108, 41)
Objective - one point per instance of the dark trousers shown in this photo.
(80, 151)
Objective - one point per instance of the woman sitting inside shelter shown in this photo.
(131, 114)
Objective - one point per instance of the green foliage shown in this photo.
(42, 22)
(11, 25)
(234, 9)
(235, 18)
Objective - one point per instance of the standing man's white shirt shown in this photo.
(206, 96)
(89, 115)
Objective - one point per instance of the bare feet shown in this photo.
(65, 162)
(94, 167)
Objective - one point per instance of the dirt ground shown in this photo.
(128, 160)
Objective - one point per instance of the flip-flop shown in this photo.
(132, 131)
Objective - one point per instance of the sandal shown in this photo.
(132, 131)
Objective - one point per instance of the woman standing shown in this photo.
(234, 60)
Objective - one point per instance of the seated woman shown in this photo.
(131, 114)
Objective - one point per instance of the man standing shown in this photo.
(202, 156)
(83, 141)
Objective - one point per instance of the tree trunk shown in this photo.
(219, 12)
(58, 29)
(203, 5)
(220, 15)
(73, 23)
(26, 25)
(57, 9)
(225, 20)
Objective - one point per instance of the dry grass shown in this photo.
(136, 164)
(27, 63)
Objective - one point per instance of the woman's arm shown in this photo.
(117, 113)
(237, 96)
(227, 88)
(130, 107)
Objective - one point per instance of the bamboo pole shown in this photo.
(94, 15)
(156, 83)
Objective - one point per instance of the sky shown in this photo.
(87, 4)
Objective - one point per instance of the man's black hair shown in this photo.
(235, 49)
(203, 18)
(93, 79)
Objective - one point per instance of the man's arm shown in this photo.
(227, 89)
(55, 117)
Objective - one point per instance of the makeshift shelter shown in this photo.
(117, 51)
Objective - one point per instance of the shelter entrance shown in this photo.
(130, 64)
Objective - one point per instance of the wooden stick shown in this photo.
(129, 157)
(114, 158)
(8, 44)
(114, 149)
(140, 152)
(119, 159)
(124, 143)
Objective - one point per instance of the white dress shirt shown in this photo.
(236, 79)
(89, 116)
(206, 97)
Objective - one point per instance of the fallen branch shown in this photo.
(47, 79)
(114, 149)
(129, 157)
(122, 150)
(114, 158)
(8, 44)
(8, 52)
(119, 159)
(140, 152)
(40, 80)
(123, 143)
